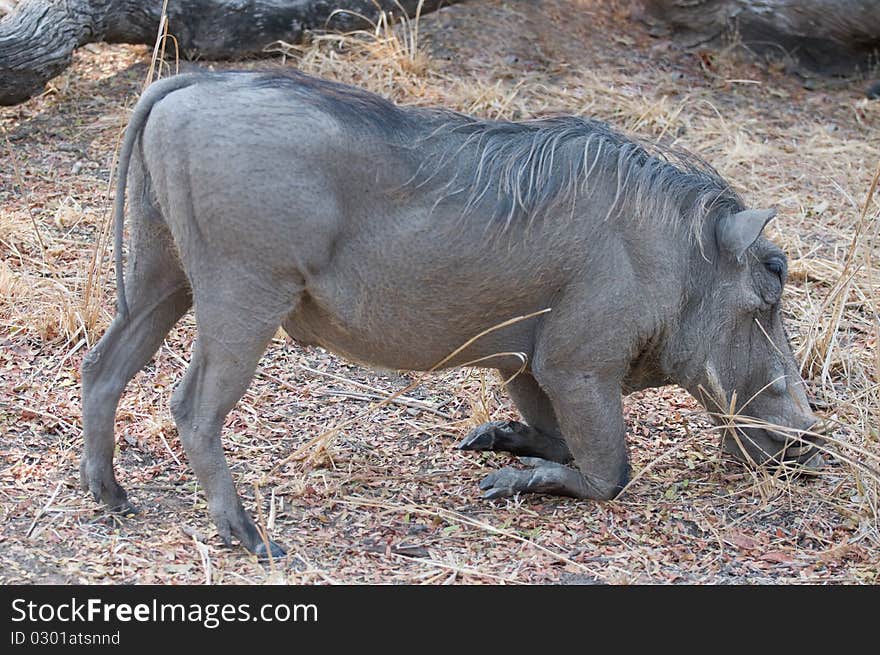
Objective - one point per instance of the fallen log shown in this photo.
(38, 37)
(837, 37)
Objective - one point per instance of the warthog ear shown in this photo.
(736, 232)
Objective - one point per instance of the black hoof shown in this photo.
(504, 483)
(485, 437)
(276, 551)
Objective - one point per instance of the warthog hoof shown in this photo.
(128, 509)
(505, 482)
(546, 477)
(275, 551)
(805, 461)
(543, 477)
(515, 438)
(105, 490)
(490, 436)
(815, 464)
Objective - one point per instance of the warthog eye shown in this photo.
(775, 265)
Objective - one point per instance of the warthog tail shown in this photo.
(153, 94)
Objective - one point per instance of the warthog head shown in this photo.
(747, 378)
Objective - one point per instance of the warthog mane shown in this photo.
(540, 167)
(518, 171)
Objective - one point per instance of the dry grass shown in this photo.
(388, 499)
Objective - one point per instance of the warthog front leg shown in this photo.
(540, 438)
(589, 410)
(542, 478)
(516, 438)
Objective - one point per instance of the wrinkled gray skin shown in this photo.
(361, 227)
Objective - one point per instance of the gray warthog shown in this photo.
(393, 235)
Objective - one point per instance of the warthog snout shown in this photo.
(775, 428)
(798, 447)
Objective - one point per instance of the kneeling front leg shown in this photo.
(589, 410)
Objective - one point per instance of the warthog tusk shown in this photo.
(822, 426)
(715, 385)
(797, 451)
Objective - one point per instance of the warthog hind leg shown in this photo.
(158, 295)
(235, 323)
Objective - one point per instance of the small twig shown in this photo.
(202, 548)
(168, 448)
(270, 521)
(43, 509)
(67, 355)
(464, 570)
(261, 527)
(338, 378)
(160, 43)
(311, 568)
(205, 554)
(450, 516)
(23, 408)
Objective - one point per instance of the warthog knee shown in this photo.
(180, 410)
(91, 364)
(101, 384)
(608, 489)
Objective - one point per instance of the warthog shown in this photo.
(393, 235)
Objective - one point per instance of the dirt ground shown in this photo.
(388, 499)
